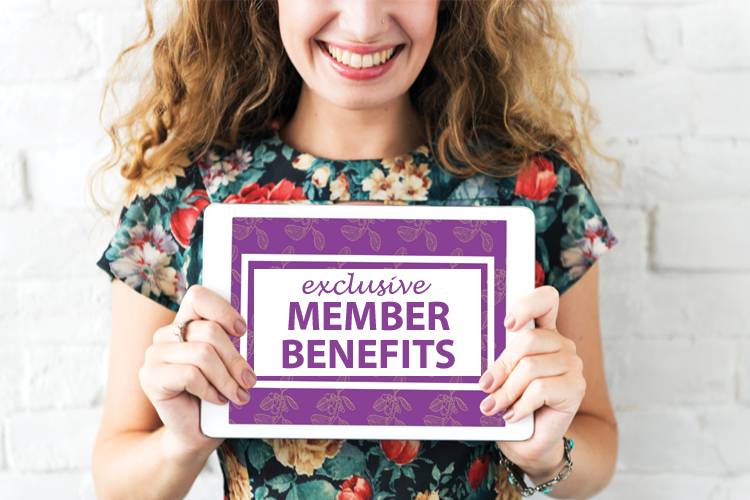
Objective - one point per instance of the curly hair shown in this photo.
(496, 89)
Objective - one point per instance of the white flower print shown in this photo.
(597, 239)
(413, 187)
(157, 236)
(145, 263)
(219, 171)
(410, 181)
(320, 176)
(147, 269)
(380, 186)
(155, 184)
(423, 149)
(340, 188)
(303, 161)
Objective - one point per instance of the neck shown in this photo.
(322, 129)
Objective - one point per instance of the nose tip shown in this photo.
(366, 21)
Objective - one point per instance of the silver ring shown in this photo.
(179, 330)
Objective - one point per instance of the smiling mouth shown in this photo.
(356, 60)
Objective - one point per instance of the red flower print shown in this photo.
(285, 190)
(355, 488)
(184, 217)
(478, 471)
(400, 451)
(536, 180)
(538, 274)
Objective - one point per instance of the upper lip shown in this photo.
(360, 49)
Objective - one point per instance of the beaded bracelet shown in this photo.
(516, 476)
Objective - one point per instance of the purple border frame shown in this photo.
(393, 237)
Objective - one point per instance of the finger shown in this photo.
(529, 342)
(204, 356)
(562, 393)
(540, 305)
(163, 381)
(527, 370)
(200, 302)
(212, 333)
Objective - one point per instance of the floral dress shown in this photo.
(156, 250)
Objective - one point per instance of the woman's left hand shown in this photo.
(539, 370)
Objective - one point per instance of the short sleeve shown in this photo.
(571, 231)
(156, 245)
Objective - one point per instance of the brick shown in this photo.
(719, 106)
(660, 486)
(727, 427)
(659, 97)
(47, 244)
(63, 377)
(51, 440)
(58, 485)
(207, 485)
(736, 488)
(77, 310)
(672, 169)
(664, 35)
(12, 366)
(45, 113)
(716, 36)
(113, 25)
(606, 37)
(64, 169)
(743, 386)
(679, 304)
(654, 440)
(12, 179)
(41, 47)
(701, 236)
(652, 373)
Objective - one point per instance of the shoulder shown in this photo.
(546, 175)
(249, 170)
(156, 246)
(571, 230)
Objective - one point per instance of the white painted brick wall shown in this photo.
(670, 81)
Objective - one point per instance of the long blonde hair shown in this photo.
(497, 88)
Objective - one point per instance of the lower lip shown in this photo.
(361, 73)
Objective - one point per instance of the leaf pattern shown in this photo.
(572, 234)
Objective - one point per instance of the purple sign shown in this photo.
(368, 321)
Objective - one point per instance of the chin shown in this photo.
(361, 98)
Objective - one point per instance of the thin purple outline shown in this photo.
(484, 320)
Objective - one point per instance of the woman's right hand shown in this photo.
(175, 375)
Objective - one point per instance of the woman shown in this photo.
(350, 101)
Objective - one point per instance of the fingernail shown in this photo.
(487, 404)
(485, 382)
(248, 377)
(508, 415)
(242, 395)
(510, 321)
(240, 327)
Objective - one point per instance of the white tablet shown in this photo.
(368, 321)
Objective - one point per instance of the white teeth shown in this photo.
(356, 61)
(359, 60)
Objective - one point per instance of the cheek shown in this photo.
(299, 21)
(418, 20)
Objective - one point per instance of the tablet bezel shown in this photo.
(216, 275)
